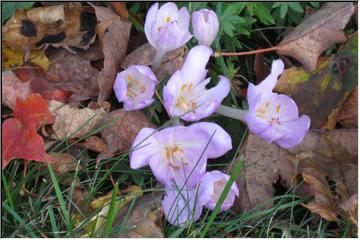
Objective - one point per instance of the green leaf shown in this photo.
(315, 4)
(8, 8)
(296, 7)
(283, 10)
(263, 14)
(276, 4)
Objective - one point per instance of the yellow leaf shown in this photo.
(12, 58)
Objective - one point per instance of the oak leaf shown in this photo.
(316, 33)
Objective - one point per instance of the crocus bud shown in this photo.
(205, 26)
(167, 28)
(135, 87)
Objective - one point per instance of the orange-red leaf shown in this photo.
(33, 110)
(22, 141)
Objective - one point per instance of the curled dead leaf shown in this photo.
(114, 35)
(73, 122)
(13, 87)
(145, 54)
(316, 33)
(348, 114)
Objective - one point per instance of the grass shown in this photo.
(45, 204)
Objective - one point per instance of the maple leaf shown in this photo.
(19, 136)
(19, 141)
(34, 110)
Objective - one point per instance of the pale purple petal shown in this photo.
(120, 88)
(181, 208)
(143, 148)
(295, 131)
(211, 187)
(220, 142)
(256, 124)
(183, 18)
(167, 13)
(171, 37)
(193, 71)
(150, 23)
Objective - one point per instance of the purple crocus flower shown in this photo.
(135, 87)
(272, 116)
(211, 186)
(205, 25)
(179, 154)
(185, 94)
(181, 206)
(167, 28)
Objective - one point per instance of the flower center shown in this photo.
(270, 113)
(218, 189)
(168, 19)
(134, 87)
(182, 101)
(175, 157)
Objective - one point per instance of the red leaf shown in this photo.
(56, 94)
(33, 110)
(19, 141)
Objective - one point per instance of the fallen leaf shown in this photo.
(12, 88)
(144, 218)
(348, 114)
(64, 163)
(93, 143)
(34, 110)
(70, 26)
(120, 9)
(21, 142)
(121, 131)
(145, 54)
(12, 58)
(321, 157)
(114, 35)
(71, 122)
(72, 73)
(316, 33)
(351, 208)
(325, 88)
(261, 70)
(19, 137)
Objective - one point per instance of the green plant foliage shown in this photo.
(8, 8)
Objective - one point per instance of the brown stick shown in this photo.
(224, 54)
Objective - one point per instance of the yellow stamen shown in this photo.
(183, 87)
(168, 19)
(129, 78)
(190, 87)
(278, 108)
(193, 105)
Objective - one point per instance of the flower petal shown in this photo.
(181, 208)
(217, 139)
(167, 13)
(143, 148)
(120, 88)
(193, 71)
(183, 18)
(150, 23)
(295, 131)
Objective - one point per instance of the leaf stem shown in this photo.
(224, 54)
(238, 114)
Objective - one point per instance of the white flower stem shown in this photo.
(159, 55)
(238, 114)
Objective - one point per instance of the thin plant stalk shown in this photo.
(230, 112)
(159, 56)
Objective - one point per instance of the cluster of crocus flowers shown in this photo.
(185, 94)
(178, 157)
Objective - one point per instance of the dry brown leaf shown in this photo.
(13, 87)
(114, 34)
(348, 115)
(70, 26)
(316, 33)
(93, 143)
(261, 70)
(325, 88)
(351, 208)
(144, 218)
(122, 130)
(72, 122)
(320, 157)
(145, 54)
(64, 163)
(72, 73)
(120, 9)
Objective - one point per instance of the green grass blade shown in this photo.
(7, 191)
(222, 196)
(54, 226)
(112, 213)
(20, 220)
(60, 199)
